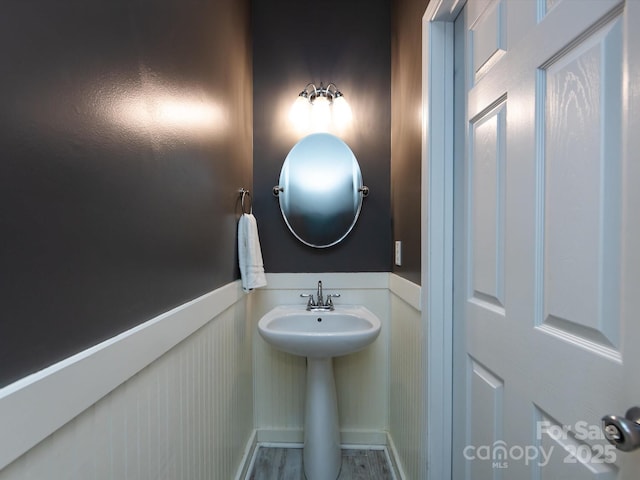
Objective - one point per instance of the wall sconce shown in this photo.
(320, 108)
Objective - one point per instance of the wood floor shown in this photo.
(286, 464)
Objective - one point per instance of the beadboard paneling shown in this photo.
(187, 415)
(407, 367)
(361, 378)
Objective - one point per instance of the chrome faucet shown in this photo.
(320, 304)
(319, 297)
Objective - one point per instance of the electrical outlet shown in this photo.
(398, 253)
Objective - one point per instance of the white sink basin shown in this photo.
(295, 330)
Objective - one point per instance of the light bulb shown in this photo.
(320, 114)
(299, 114)
(342, 115)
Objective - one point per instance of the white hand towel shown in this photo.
(249, 254)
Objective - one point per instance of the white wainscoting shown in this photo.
(174, 397)
(362, 378)
(407, 372)
(171, 398)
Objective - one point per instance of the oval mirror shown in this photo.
(320, 190)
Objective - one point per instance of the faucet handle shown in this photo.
(329, 297)
(310, 302)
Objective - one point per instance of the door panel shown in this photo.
(580, 111)
(487, 38)
(485, 427)
(486, 172)
(547, 281)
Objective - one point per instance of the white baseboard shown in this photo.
(348, 438)
(363, 437)
(280, 436)
(248, 458)
(394, 458)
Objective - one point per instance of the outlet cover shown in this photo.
(398, 253)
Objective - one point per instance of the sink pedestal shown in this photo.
(321, 454)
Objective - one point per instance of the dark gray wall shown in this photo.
(125, 134)
(296, 42)
(406, 125)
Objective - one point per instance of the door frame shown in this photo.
(437, 228)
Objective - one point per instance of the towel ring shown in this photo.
(246, 193)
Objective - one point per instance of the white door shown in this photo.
(547, 252)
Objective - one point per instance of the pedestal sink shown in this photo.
(320, 336)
